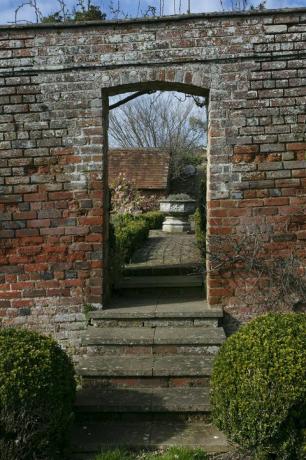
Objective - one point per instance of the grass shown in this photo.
(174, 453)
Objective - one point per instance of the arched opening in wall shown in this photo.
(155, 170)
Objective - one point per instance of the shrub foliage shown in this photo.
(130, 231)
(200, 220)
(200, 232)
(129, 236)
(37, 390)
(258, 386)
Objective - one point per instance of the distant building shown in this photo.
(148, 169)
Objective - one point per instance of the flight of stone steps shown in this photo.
(150, 355)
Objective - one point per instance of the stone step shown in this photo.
(148, 340)
(192, 293)
(95, 436)
(161, 270)
(150, 322)
(152, 366)
(100, 382)
(146, 313)
(132, 400)
(139, 282)
(147, 350)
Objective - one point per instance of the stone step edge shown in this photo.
(161, 400)
(109, 366)
(126, 336)
(162, 270)
(157, 315)
(160, 281)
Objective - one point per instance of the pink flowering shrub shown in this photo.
(126, 199)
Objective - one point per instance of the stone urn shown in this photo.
(177, 209)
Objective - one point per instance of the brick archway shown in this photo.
(169, 80)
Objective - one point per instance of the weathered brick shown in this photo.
(287, 183)
(51, 145)
(297, 146)
(278, 174)
(275, 29)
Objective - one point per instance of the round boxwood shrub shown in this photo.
(259, 386)
(37, 390)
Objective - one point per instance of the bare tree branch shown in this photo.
(161, 121)
(31, 4)
(129, 98)
(263, 281)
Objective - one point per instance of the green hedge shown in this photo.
(258, 386)
(200, 220)
(37, 390)
(129, 231)
(130, 236)
(200, 232)
(154, 219)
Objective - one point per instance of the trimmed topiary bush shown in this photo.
(130, 236)
(259, 386)
(154, 219)
(37, 390)
(130, 231)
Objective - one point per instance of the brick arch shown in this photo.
(186, 81)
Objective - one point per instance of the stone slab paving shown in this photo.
(179, 307)
(134, 282)
(119, 336)
(182, 365)
(162, 293)
(92, 437)
(157, 306)
(145, 366)
(144, 386)
(189, 335)
(116, 366)
(167, 249)
(97, 400)
(154, 336)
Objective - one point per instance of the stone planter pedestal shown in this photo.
(177, 212)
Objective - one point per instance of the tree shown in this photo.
(161, 120)
(83, 10)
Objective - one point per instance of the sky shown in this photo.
(130, 7)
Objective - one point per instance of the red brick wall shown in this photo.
(52, 165)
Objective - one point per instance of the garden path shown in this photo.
(167, 249)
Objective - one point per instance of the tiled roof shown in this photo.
(147, 168)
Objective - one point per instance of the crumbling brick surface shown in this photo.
(53, 159)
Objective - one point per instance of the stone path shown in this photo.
(167, 249)
(92, 437)
(148, 357)
(145, 375)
